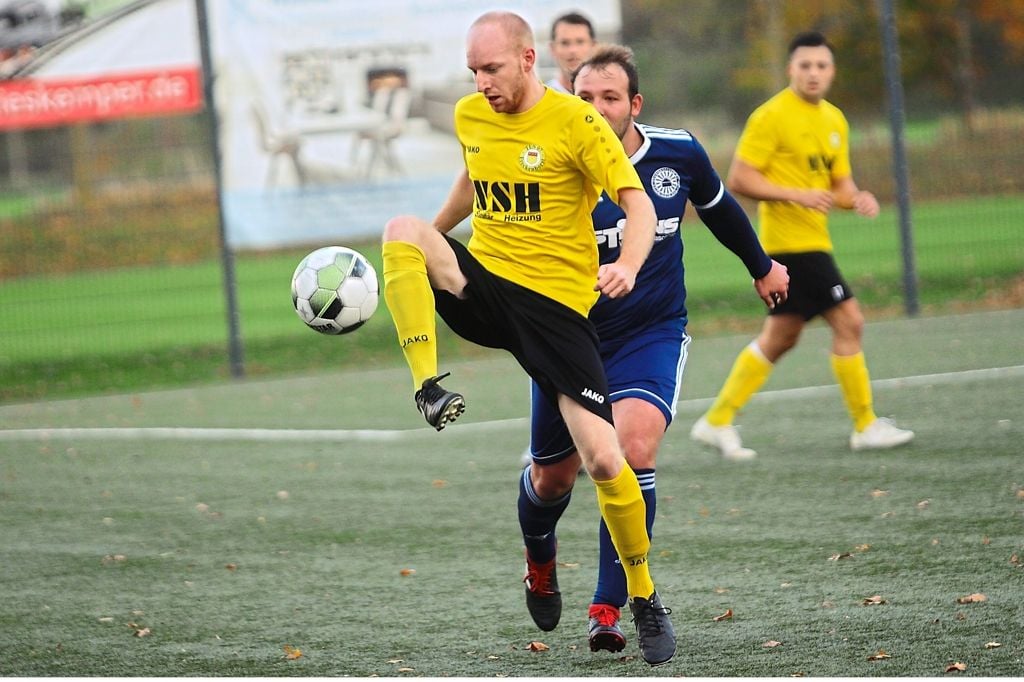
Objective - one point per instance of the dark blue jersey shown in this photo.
(674, 167)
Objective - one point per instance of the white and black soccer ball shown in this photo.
(334, 290)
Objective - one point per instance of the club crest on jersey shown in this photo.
(531, 158)
(834, 139)
(665, 182)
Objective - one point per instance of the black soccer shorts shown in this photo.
(556, 346)
(815, 284)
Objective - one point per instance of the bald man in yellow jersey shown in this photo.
(535, 162)
(793, 156)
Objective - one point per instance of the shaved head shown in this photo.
(513, 26)
(501, 55)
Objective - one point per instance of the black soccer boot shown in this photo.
(438, 405)
(654, 632)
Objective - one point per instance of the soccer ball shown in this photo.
(334, 290)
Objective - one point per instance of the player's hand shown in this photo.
(615, 279)
(773, 288)
(817, 199)
(865, 204)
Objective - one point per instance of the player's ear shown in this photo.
(529, 58)
(637, 105)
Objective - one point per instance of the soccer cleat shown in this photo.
(438, 405)
(879, 435)
(725, 438)
(605, 633)
(654, 633)
(543, 600)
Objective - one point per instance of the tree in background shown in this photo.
(723, 57)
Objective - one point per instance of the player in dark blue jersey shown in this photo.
(643, 336)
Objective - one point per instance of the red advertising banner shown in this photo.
(32, 103)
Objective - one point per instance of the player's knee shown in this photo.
(552, 482)
(640, 452)
(403, 228)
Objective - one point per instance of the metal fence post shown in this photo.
(894, 89)
(235, 351)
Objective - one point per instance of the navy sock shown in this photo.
(611, 579)
(538, 518)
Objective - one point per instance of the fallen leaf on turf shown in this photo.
(407, 670)
(291, 653)
(874, 601)
(828, 604)
(492, 657)
(143, 632)
(972, 598)
(862, 548)
(923, 504)
(841, 555)
(725, 616)
(985, 540)
(955, 667)
(960, 615)
(439, 483)
(1015, 560)
(882, 653)
(876, 493)
(720, 590)
(407, 571)
(106, 619)
(231, 567)
(537, 646)
(771, 644)
(992, 645)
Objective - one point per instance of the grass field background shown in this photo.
(139, 327)
(226, 522)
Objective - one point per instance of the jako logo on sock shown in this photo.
(415, 339)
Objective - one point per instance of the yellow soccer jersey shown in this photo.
(536, 177)
(795, 144)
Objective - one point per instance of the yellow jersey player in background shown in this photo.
(793, 156)
(535, 161)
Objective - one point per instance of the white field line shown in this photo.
(387, 435)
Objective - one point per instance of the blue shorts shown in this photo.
(648, 366)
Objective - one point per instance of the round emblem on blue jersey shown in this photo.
(531, 158)
(665, 182)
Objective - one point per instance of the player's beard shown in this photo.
(621, 127)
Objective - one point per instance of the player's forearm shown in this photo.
(638, 232)
(732, 228)
(749, 182)
(844, 192)
(457, 206)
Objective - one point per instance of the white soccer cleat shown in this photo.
(725, 438)
(879, 435)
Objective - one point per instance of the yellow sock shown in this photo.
(623, 510)
(748, 374)
(411, 302)
(852, 373)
